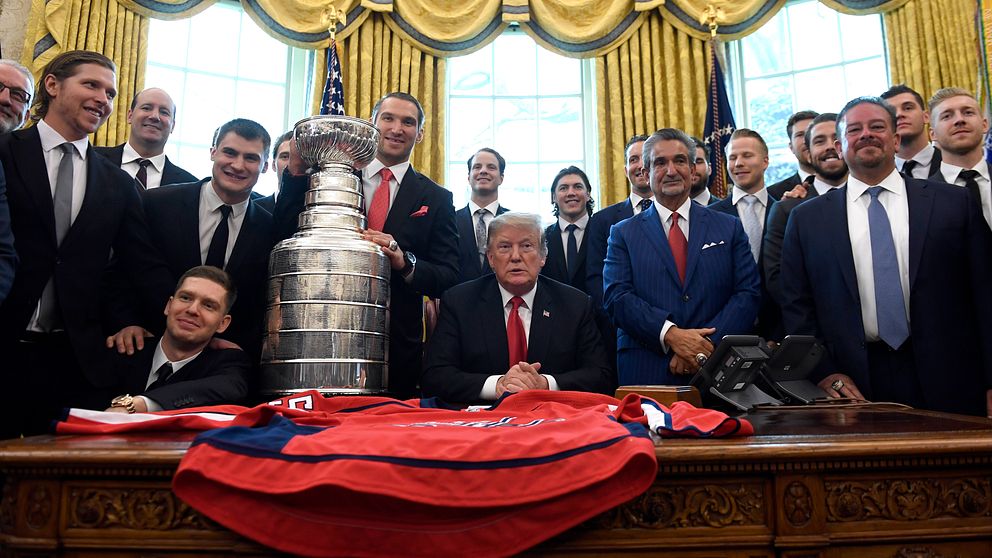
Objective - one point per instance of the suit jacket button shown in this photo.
(685, 298)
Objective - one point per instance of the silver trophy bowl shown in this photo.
(327, 323)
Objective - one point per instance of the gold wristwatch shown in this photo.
(125, 401)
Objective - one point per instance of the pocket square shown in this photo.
(420, 212)
(712, 244)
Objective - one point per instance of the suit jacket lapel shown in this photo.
(141, 368)
(920, 200)
(409, 194)
(699, 224)
(654, 234)
(30, 158)
(189, 224)
(466, 233)
(95, 198)
(556, 252)
(247, 237)
(540, 325)
(837, 229)
(493, 323)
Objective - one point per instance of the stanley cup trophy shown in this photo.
(327, 322)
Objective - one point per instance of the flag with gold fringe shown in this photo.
(719, 124)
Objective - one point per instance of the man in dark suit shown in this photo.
(892, 275)
(916, 157)
(280, 160)
(214, 222)
(830, 171)
(572, 201)
(69, 209)
(601, 221)
(514, 330)
(485, 174)
(152, 117)
(182, 370)
(678, 276)
(796, 129)
(412, 219)
(15, 98)
(958, 125)
(700, 192)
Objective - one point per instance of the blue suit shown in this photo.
(642, 288)
(950, 301)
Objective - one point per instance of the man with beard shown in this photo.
(829, 171)
(16, 89)
(152, 117)
(892, 275)
(796, 129)
(959, 127)
(485, 174)
(916, 157)
(700, 192)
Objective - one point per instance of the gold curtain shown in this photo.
(98, 25)
(933, 44)
(656, 79)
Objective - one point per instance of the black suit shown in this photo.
(782, 186)
(771, 247)
(214, 377)
(469, 343)
(422, 221)
(596, 235)
(171, 174)
(173, 219)
(933, 171)
(769, 314)
(8, 256)
(555, 266)
(110, 219)
(267, 203)
(468, 253)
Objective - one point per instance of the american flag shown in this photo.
(333, 100)
(719, 125)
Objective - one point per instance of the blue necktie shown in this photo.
(890, 307)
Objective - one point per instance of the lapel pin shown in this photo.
(547, 314)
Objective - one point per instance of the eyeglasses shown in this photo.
(16, 93)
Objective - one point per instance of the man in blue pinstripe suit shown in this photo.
(677, 277)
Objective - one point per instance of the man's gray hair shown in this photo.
(20, 68)
(665, 134)
(518, 220)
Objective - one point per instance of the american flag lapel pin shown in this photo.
(546, 314)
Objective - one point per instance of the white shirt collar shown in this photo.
(635, 199)
(923, 156)
(580, 223)
(803, 174)
(665, 214)
(822, 187)
(761, 194)
(703, 198)
(473, 207)
(50, 139)
(893, 183)
(528, 296)
(951, 172)
(130, 155)
(159, 359)
(399, 170)
(213, 201)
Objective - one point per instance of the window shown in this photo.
(806, 57)
(219, 65)
(529, 104)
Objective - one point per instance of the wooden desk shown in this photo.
(829, 483)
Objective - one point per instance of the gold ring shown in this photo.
(837, 385)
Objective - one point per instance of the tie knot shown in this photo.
(571, 227)
(143, 163)
(749, 199)
(675, 217)
(482, 212)
(225, 211)
(969, 174)
(874, 191)
(517, 302)
(67, 148)
(386, 174)
(644, 204)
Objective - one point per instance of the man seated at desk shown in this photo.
(183, 370)
(513, 330)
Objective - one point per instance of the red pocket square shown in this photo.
(420, 212)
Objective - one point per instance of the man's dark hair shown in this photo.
(869, 101)
(801, 115)
(899, 89)
(64, 66)
(405, 97)
(286, 136)
(585, 179)
(216, 275)
(248, 129)
(499, 159)
(633, 139)
(701, 145)
(825, 117)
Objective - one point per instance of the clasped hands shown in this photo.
(685, 344)
(522, 376)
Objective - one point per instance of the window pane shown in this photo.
(559, 75)
(459, 188)
(212, 34)
(861, 36)
(257, 59)
(766, 50)
(866, 78)
(163, 42)
(769, 106)
(262, 103)
(516, 128)
(520, 189)
(472, 75)
(781, 163)
(811, 93)
(815, 38)
(560, 128)
(515, 64)
(467, 135)
(199, 119)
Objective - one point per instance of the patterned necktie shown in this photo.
(890, 307)
(970, 177)
(49, 316)
(481, 234)
(142, 175)
(644, 204)
(516, 339)
(909, 166)
(752, 223)
(679, 246)
(379, 207)
(217, 253)
(162, 376)
(571, 250)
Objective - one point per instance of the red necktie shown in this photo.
(515, 336)
(379, 207)
(680, 248)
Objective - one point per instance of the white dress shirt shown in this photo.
(371, 180)
(486, 219)
(762, 194)
(525, 311)
(803, 175)
(703, 198)
(634, 200)
(665, 215)
(822, 187)
(153, 172)
(893, 199)
(951, 172)
(580, 230)
(158, 360)
(923, 158)
(209, 218)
